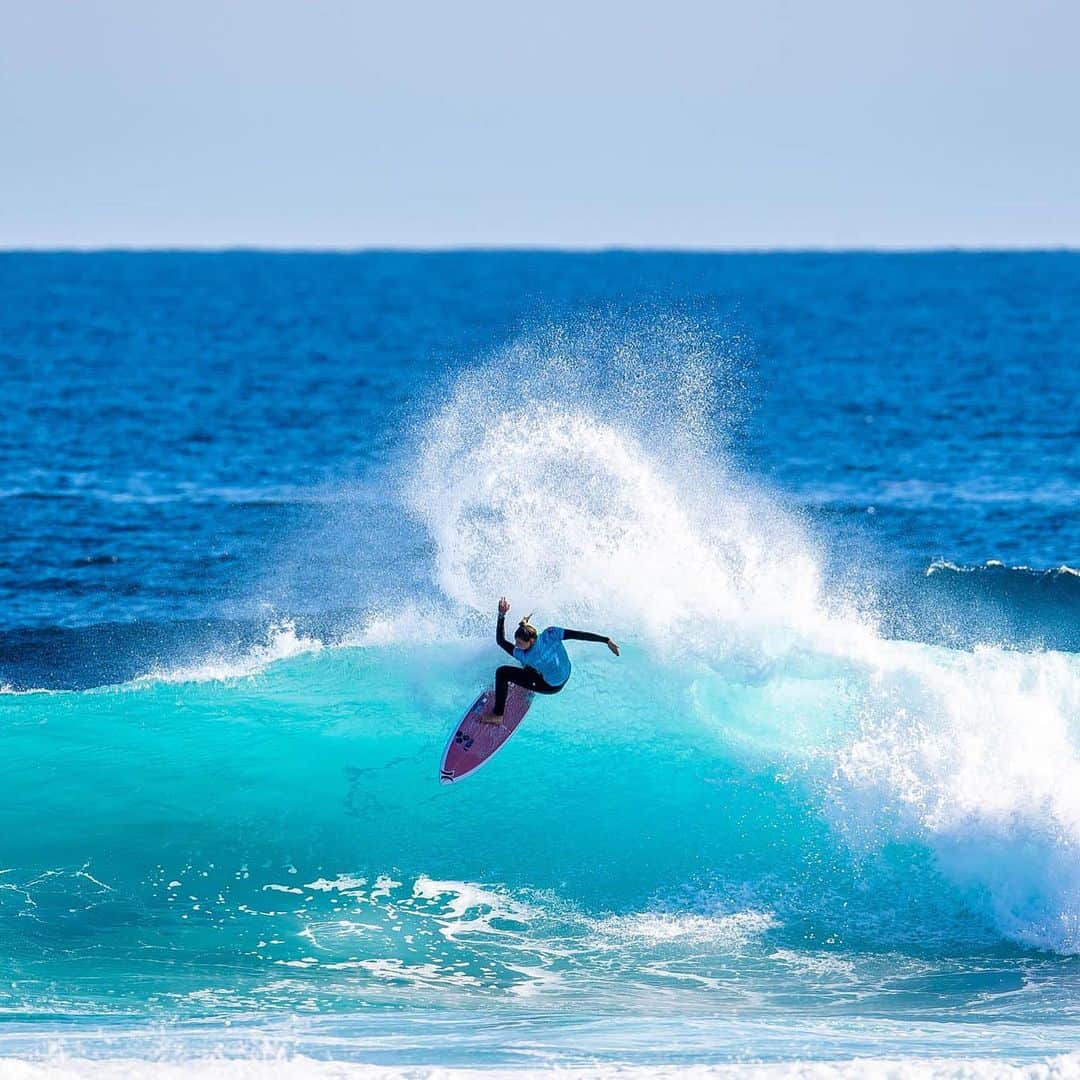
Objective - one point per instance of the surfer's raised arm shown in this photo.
(585, 635)
(500, 627)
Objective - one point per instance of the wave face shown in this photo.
(805, 799)
(715, 835)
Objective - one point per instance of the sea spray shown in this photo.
(586, 475)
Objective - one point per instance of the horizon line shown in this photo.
(539, 249)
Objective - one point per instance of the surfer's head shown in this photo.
(525, 634)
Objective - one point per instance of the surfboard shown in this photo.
(473, 742)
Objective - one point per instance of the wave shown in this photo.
(995, 567)
(1018, 607)
(763, 767)
(282, 642)
(935, 790)
(634, 520)
(1022, 586)
(111, 654)
(736, 781)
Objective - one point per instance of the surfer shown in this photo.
(545, 665)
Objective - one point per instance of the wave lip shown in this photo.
(1021, 607)
(995, 566)
(283, 642)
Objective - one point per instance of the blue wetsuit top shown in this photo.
(547, 656)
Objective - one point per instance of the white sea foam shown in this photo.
(283, 642)
(344, 883)
(408, 623)
(288, 1066)
(654, 928)
(591, 525)
(975, 755)
(466, 908)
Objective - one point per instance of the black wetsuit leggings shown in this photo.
(520, 676)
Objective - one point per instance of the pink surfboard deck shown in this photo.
(474, 742)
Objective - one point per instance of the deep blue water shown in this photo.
(258, 509)
(174, 422)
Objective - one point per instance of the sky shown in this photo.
(333, 124)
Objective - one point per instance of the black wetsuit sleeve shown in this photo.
(583, 635)
(500, 635)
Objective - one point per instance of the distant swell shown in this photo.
(1063, 581)
(990, 603)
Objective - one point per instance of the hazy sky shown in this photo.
(670, 124)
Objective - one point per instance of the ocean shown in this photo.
(820, 819)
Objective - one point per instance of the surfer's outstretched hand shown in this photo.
(612, 646)
(504, 606)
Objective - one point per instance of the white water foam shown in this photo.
(589, 525)
(654, 928)
(975, 755)
(283, 642)
(286, 1066)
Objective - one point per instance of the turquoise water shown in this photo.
(824, 810)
